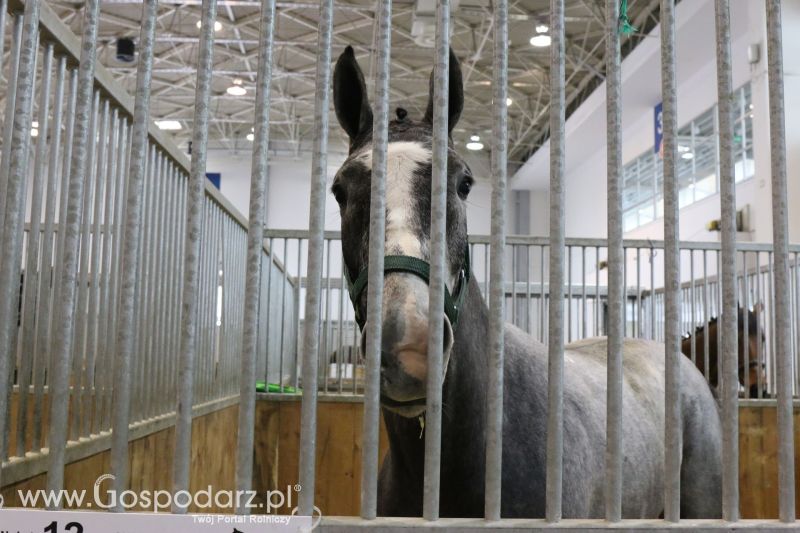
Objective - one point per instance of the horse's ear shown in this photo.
(350, 95)
(456, 97)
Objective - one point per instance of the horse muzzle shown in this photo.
(404, 345)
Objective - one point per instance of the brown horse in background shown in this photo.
(756, 375)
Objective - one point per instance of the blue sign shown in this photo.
(215, 178)
(658, 128)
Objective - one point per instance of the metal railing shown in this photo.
(34, 272)
(527, 300)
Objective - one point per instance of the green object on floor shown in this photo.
(262, 386)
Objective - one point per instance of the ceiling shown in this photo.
(235, 57)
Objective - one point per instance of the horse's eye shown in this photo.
(464, 187)
(338, 193)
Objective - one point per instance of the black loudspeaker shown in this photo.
(126, 50)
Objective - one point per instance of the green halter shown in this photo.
(421, 269)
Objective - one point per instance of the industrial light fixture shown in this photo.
(687, 155)
(475, 143)
(541, 39)
(250, 137)
(509, 101)
(168, 125)
(217, 25)
(236, 89)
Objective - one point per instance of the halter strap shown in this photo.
(421, 269)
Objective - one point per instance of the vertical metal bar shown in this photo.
(59, 388)
(541, 296)
(103, 345)
(79, 368)
(693, 310)
(8, 115)
(46, 280)
(308, 430)
(3, 12)
(130, 248)
(706, 318)
(93, 287)
(746, 325)
(653, 335)
(325, 346)
(528, 306)
(183, 424)
(33, 268)
(513, 285)
(13, 223)
(672, 275)
(555, 367)
(438, 240)
(639, 313)
(759, 345)
(569, 293)
(584, 328)
(499, 163)
(597, 291)
(615, 266)
(780, 240)
(727, 359)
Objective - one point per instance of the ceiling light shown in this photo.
(474, 138)
(541, 40)
(236, 89)
(509, 101)
(217, 25)
(474, 145)
(34, 132)
(687, 155)
(169, 125)
(35, 124)
(682, 148)
(541, 28)
(250, 137)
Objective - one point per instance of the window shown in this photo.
(697, 166)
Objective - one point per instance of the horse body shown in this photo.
(524, 432)
(404, 356)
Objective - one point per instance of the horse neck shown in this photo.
(463, 394)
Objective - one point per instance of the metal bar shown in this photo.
(79, 368)
(613, 494)
(780, 240)
(59, 388)
(130, 248)
(14, 175)
(706, 318)
(44, 297)
(555, 336)
(438, 241)
(104, 353)
(316, 223)
(8, 115)
(759, 344)
(499, 164)
(94, 262)
(183, 429)
(377, 235)
(672, 275)
(33, 267)
(728, 360)
(693, 310)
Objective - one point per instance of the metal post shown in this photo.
(672, 275)
(59, 387)
(377, 236)
(13, 224)
(255, 246)
(780, 239)
(615, 266)
(130, 245)
(183, 424)
(438, 242)
(494, 404)
(316, 223)
(32, 267)
(728, 374)
(8, 115)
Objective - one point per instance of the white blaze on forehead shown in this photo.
(403, 159)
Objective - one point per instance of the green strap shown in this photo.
(625, 26)
(421, 269)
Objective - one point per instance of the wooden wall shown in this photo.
(338, 483)
(758, 461)
(213, 462)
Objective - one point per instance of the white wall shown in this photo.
(585, 176)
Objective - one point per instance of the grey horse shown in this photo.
(404, 356)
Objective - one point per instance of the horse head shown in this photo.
(404, 327)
